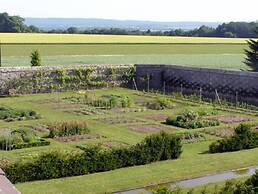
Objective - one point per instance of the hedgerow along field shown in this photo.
(57, 49)
(132, 116)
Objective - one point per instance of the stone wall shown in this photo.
(235, 86)
(59, 78)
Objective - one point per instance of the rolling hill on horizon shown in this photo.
(90, 23)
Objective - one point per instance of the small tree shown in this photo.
(252, 54)
(35, 58)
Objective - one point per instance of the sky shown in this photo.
(155, 10)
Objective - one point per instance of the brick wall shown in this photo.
(231, 85)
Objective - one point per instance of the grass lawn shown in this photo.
(68, 49)
(230, 61)
(123, 127)
(192, 163)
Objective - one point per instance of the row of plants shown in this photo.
(162, 146)
(105, 102)
(191, 120)
(68, 128)
(21, 138)
(250, 186)
(10, 114)
(244, 138)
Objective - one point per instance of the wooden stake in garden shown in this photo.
(0, 54)
(164, 88)
(135, 85)
(148, 80)
(200, 94)
(236, 98)
(217, 95)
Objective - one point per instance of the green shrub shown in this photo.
(160, 103)
(35, 58)
(9, 114)
(105, 101)
(191, 120)
(156, 147)
(21, 138)
(68, 128)
(244, 138)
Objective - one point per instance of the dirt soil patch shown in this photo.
(231, 119)
(157, 117)
(5, 131)
(120, 120)
(224, 132)
(146, 128)
(77, 137)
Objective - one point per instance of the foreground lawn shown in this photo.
(192, 163)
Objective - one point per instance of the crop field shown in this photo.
(123, 126)
(59, 49)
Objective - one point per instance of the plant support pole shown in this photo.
(0, 54)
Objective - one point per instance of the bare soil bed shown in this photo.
(157, 117)
(119, 120)
(228, 119)
(224, 132)
(77, 137)
(146, 128)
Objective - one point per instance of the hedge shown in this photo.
(191, 120)
(41, 142)
(51, 165)
(244, 138)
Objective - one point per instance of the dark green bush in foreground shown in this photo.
(244, 138)
(156, 147)
(191, 120)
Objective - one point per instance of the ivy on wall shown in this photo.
(40, 81)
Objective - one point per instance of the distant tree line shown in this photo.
(229, 30)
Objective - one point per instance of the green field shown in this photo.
(123, 127)
(109, 49)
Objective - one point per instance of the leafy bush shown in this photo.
(160, 103)
(105, 101)
(21, 138)
(191, 120)
(156, 147)
(9, 114)
(68, 128)
(244, 138)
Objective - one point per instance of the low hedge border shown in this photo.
(52, 165)
(39, 143)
